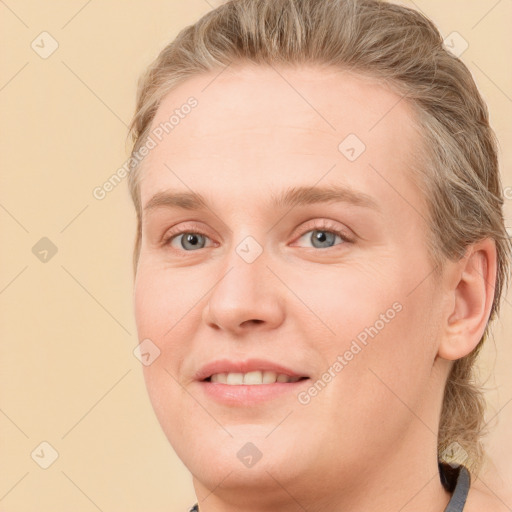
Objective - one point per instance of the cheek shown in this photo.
(164, 312)
(146, 302)
(394, 364)
(376, 322)
(152, 308)
(344, 302)
(388, 369)
(158, 302)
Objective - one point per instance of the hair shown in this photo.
(459, 176)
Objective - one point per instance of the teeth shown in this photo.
(219, 377)
(269, 377)
(251, 378)
(235, 378)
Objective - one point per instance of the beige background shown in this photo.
(67, 372)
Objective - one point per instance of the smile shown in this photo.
(252, 378)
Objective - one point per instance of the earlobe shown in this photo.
(473, 281)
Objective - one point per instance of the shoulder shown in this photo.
(480, 500)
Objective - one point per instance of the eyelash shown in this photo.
(321, 226)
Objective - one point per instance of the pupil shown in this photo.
(323, 236)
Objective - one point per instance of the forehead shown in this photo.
(254, 127)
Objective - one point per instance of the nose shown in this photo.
(247, 296)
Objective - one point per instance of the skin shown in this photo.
(367, 441)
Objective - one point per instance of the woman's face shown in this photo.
(279, 279)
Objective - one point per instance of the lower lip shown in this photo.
(244, 394)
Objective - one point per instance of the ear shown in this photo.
(469, 294)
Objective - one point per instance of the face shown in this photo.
(268, 274)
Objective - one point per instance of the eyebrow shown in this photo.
(290, 197)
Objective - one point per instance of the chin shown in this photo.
(248, 457)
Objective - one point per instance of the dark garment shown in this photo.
(457, 481)
(454, 479)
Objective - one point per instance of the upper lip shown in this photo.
(249, 365)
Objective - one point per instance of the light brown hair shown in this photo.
(404, 50)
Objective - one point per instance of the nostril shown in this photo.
(253, 321)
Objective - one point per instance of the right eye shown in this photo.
(186, 240)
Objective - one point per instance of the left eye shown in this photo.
(323, 238)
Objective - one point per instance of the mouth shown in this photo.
(249, 382)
